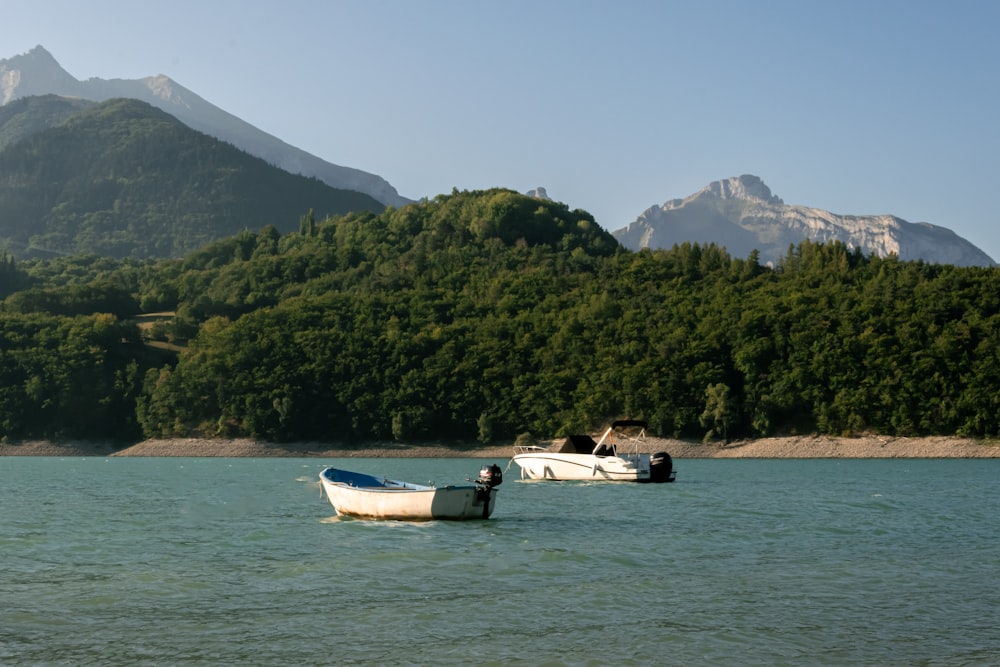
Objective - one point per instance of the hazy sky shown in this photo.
(613, 106)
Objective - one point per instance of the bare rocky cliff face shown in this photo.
(38, 73)
(741, 214)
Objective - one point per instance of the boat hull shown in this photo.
(555, 466)
(407, 502)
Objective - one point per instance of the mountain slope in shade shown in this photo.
(122, 178)
(29, 115)
(38, 73)
(741, 214)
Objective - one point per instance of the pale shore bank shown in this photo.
(793, 447)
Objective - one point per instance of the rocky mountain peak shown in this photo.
(746, 187)
(32, 73)
(37, 59)
(162, 87)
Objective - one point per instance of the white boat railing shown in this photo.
(529, 449)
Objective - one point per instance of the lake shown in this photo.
(225, 561)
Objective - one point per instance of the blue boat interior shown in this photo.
(357, 479)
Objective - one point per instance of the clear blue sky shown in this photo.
(856, 107)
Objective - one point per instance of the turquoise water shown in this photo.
(754, 562)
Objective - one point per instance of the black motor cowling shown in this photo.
(490, 476)
(661, 468)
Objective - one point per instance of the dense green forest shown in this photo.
(488, 315)
(26, 116)
(123, 179)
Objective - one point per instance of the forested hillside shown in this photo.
(124, 179)
(488, 315)
(30, 115)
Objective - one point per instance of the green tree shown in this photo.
(719, 413)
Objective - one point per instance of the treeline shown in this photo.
(488, 315)
(68, 377)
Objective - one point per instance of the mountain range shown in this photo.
(121, 178)
(37, 73)
(743, 215)
(740, 213)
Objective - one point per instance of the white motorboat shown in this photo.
(368, 497)
(616, 457)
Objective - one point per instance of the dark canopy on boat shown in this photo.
(577, 444)
(625, 423)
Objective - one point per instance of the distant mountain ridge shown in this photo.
(122, 178)
(37, 73)
(742, 214)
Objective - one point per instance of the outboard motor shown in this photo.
(661, 468)
(490, 477)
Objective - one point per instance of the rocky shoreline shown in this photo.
(793, 447)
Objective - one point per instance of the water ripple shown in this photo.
(239, 562)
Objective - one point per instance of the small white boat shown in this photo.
(364, 496)
(616, 457)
